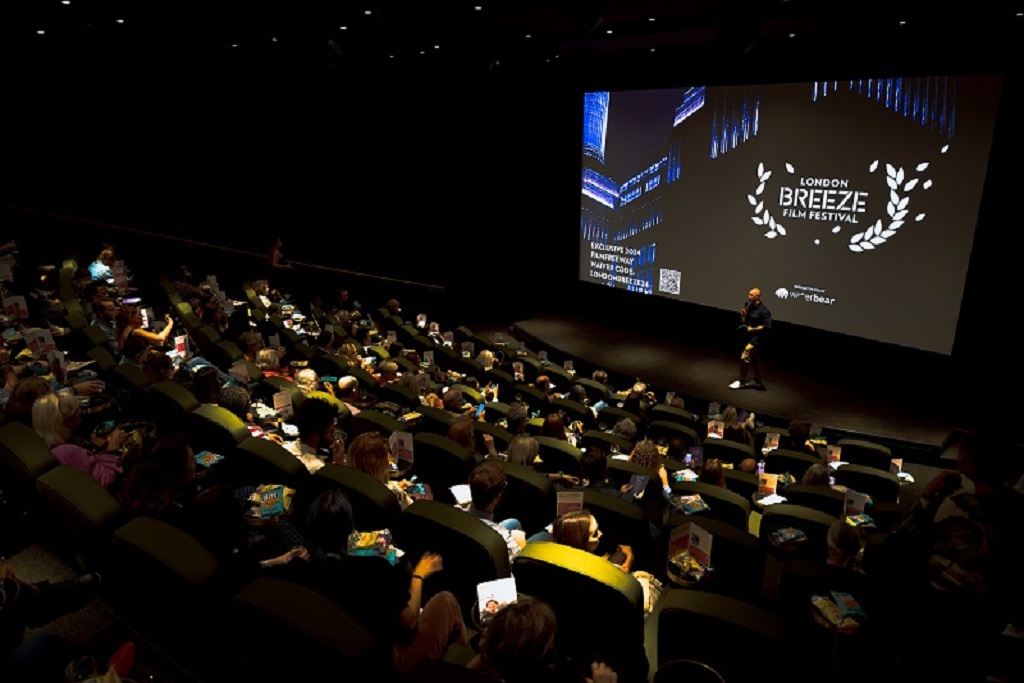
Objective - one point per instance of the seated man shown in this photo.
(316, 420)
(487, 484)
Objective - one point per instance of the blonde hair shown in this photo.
(49, 417)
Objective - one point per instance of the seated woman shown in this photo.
(55, 417)
(712, 473)
(162, 483)
(740, 432)
(518, 646)
(385, 599)
(579, 529)
(463, 432)
(800, 437)
(817, 475)
(370, 453)
(128, 323)
(554, 426)
(524, 449)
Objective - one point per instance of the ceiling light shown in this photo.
(367, 12)
(652, 49)
(274, 39)
(529, 35)
(609, 31)
(41, 32)
(437, 47)
(65, 2)
(650, 18)
(422, 52)
(792, 35)
(903, 23)
(120, 21)
(343, 28)
(478, 8)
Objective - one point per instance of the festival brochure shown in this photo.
(492, 596)
(568, 501)
(401, 444)
(767, 483)
(283, 404)
(856, 503)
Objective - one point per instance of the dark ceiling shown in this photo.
(524, 36)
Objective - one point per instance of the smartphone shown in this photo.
(480, 409)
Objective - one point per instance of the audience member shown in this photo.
(487, 484)
(817, 475)
(381, 597)
(370, 453)
(518, 646)
(316, 420)
(55, 417)
(712, 473)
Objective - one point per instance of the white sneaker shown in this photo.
(736, 385)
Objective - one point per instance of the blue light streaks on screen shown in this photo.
(595, 124)
(931, 102)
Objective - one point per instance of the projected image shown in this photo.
(851, 204)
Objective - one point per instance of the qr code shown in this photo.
(668, 281)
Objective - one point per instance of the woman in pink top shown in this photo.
(54, 418)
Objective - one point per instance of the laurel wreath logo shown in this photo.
(898, 206)
(766, 219)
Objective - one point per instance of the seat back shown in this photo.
(575, 411)
(737, 556)
(740, 482)
(434, 420)
(442, 463)
(595, 390)
(268, 386)
(726, 450)
(79, 516)
(821, 498)
(783, 460)
(301, 635)
(374, 506)
(814, 523)
(473, 551)
(865, 453)
(502, 437)
(172, 404)
(24, 457)
(369, 420)
(559, 456)
(723, 504)
(600, 608)
(262, 461)
(717, 630)
(670, 414)
(160, 561)
(401, 395)
(529, 497)
(216, 429)
(609, 443)
(663, 431)
(882, 486)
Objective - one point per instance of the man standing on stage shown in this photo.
(755, 324)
